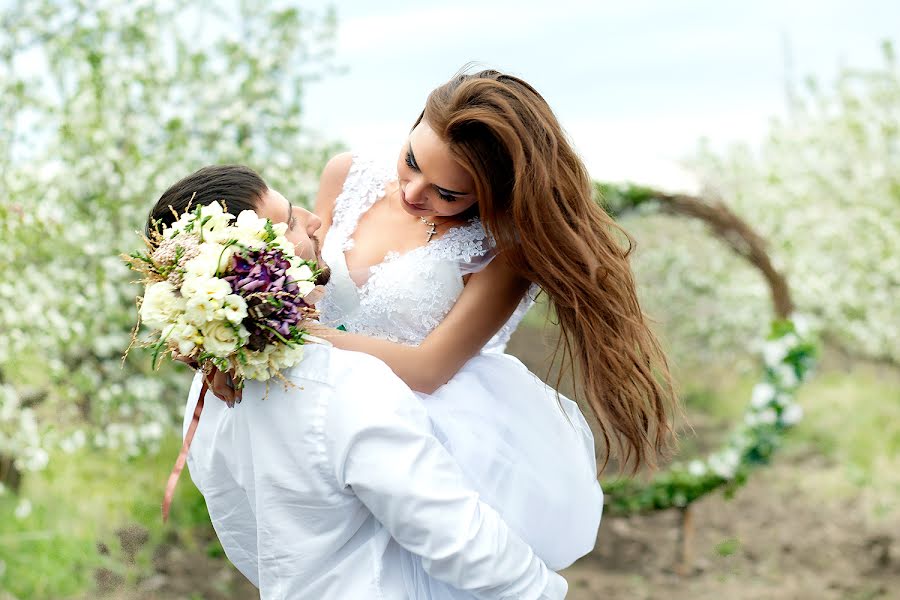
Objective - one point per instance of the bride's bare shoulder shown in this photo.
(330, 184)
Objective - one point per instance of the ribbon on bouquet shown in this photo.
(182, 456)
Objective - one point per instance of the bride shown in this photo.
(434, 264)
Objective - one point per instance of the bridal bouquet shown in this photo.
(225, 292)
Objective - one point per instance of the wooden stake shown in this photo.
(685, 542)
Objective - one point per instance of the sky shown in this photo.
(636, 85)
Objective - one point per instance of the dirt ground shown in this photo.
(773, 540)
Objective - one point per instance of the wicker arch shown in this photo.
(788, 358)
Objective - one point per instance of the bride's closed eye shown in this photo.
(411, 163)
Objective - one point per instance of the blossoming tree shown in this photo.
(823, 189)
(106, 104)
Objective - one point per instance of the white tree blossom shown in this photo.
(106, 104)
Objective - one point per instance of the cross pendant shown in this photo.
(431, 232)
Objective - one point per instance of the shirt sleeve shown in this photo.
(380, 444)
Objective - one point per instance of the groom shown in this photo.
(321, 490)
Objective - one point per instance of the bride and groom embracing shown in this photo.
(411, 457)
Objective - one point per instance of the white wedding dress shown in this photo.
(528, 452)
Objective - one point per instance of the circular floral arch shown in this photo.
(788, 357)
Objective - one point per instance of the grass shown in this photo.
(728, 546)
(851, 421)
(79, 502)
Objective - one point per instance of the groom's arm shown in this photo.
(379, 442)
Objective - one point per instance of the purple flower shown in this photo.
(273, 303)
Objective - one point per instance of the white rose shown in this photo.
(306, 287)
(301, 273)
(220, 338)
(205, 293)
(234, 309)
(257, 372)
(196, 315)
(257, 365)
(248, 220)
(259, 358)
(287, 247)
(286, 356)
(213, 258)
(187, 336)
(214, 220)
(250, 229)
(179, 225)
(160, 304)
(218, 236)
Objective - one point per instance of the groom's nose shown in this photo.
(313, 224)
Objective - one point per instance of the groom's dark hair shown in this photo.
(238, 187)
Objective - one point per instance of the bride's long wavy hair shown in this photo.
(535, 198)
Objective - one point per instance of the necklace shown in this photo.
(431, 231)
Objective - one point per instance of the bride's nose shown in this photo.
(414, 192)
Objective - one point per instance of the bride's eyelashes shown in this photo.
(446, 197)
(411, 163)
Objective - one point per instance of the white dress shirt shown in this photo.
(316, 490)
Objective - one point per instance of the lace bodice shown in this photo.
(406, 296)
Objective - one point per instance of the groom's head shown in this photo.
(240, 188)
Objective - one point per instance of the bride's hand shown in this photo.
(221, 384)
(186, 360)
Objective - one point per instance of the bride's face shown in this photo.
(432, 183)
(302, 224)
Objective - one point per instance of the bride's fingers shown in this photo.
(186, 360)
(219, 385)
(315, 295)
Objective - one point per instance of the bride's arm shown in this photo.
(486, 303)
(330, 184)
